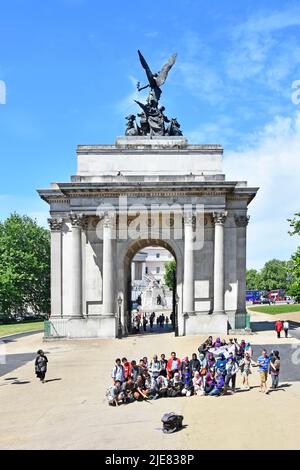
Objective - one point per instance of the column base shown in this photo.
(203, 323)
(103, 326)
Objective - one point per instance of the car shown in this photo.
(266, 301)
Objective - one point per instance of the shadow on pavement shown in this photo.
(53, 380)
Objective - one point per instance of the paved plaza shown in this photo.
(69, 411)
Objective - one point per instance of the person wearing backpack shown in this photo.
(41, 362)
(118, 372)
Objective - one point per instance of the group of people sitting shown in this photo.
(213, 373)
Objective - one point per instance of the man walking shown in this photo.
(263, 362)
(286, 327)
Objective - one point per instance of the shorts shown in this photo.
(263, 376)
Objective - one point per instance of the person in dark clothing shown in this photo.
(145, 321)
(194, 364)
(163, 365)
(41, 365)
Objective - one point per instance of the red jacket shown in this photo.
(169, 365)
(278, 325)
(127, 369)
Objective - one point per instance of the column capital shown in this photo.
(219, 217)
(77, 220)
(55, 224)
(108, 220)
(189, 218)
(241, 220)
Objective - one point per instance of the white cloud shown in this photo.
(260, 51)
(272, 163)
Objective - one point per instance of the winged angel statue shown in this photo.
(153, 121)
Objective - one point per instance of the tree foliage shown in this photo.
(274, 275)
(24, 266)
(253, 279)
(170, 274)
(294, 264)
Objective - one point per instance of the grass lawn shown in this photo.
(274, 309)
(21, 327)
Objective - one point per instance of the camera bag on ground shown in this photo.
(171, 422)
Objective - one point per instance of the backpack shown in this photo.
(171, 422)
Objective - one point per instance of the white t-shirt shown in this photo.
(285, 325)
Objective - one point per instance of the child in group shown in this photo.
(128, 390)
(155, 367)
(163, 365)
(140, 390)
(134, 370)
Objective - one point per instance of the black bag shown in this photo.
(171, 422)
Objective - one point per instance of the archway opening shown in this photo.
(151, 283)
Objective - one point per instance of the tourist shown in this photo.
(115, 394)
(187, 380)
(275, 369)
(162, 320)
(167, 320)
(198, 384)
(159, 387)
(217, 343)
(141, 368)
(127, 368)
(218, 384)
(242, 348)
(41, 362)
(184, 363)
(155, 367)
(286, 327)
(263, 363)
(175, 386)
(128, 391)
(173, 365)
(211, 362)
(194, 364)
(221, 364)
(231, 370)
(245, 366)
(145, 360)
(278, 327)
(145, 321)
(118, 372)
(248, 349)
(158, 320)
(209, 381)
(152, 316)
(140, 390)
(134, 370)
(203, 366)
(163, 365)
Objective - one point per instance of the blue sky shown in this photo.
(70, 69)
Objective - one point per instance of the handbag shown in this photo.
(203, 371)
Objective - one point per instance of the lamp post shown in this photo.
(176, 314)
(119, 318)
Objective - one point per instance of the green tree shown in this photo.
(170, 274)
(24, 266)
(294, 263)
(274, 275)
(253, 279)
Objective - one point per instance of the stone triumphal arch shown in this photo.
(138, 192)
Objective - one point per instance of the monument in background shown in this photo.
(151, 188)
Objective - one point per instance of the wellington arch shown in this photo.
(147, 190)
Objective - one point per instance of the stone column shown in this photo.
(77, 221)
(219, 220)
(109, 303)
(55, 225)
(241, 221)
(188, 273)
